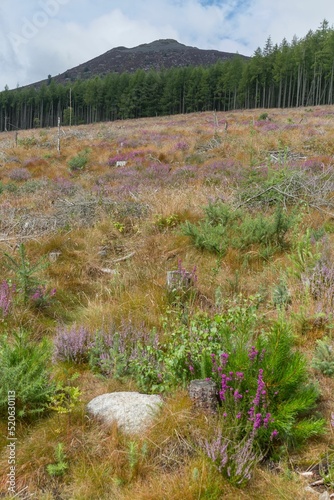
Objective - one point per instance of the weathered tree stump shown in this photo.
(204, 395)
(179, 281)
(53, 256)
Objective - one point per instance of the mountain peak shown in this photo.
(157, 55)
(155, 46)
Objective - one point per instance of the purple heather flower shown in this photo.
(6, 297)
(224, 358)
(237, 395)
(181, 146)
(37, 295)
(252, 353)
(224, 387)
(273, 434)
(251, 413)
(71, 344)
(19, 174)
(260, 391)
(257, 421)
(217, 451)
(267, 419)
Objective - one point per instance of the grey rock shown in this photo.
(324, 496)
(133, 412)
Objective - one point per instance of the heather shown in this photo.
(6, 297)
(207, 253)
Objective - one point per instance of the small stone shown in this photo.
(106, 270)
(308, 489)
(324, 496)
(102, 253)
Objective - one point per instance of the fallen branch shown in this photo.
(257, 195)
(320, 482)
(126, 257)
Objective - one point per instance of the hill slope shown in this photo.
(191, 198)
(156, 55)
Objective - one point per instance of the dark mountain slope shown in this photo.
(156, 55)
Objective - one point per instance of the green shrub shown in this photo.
(221, 214)
(225, 228)
(27, 142)
(11, 187)
(166, 222)
(26, 274)
(292, 398)
(281, 296)
(264, 231)
(24, 368)
(324, 357)
(60, 466)
(305, 255)
(243, 357)
(266, 401)
(79, 162)
(207, 237)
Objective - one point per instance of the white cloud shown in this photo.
(42, 37)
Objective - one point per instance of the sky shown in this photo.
(46, 37)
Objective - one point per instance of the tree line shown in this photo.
(291, 74)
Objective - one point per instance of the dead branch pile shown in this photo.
(282, 157)
(66, 213)
(213, 143)
(315, 189)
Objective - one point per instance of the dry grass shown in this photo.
(116, 233)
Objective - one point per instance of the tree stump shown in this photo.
(179, 281)
(53, 256)
(204, 395)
